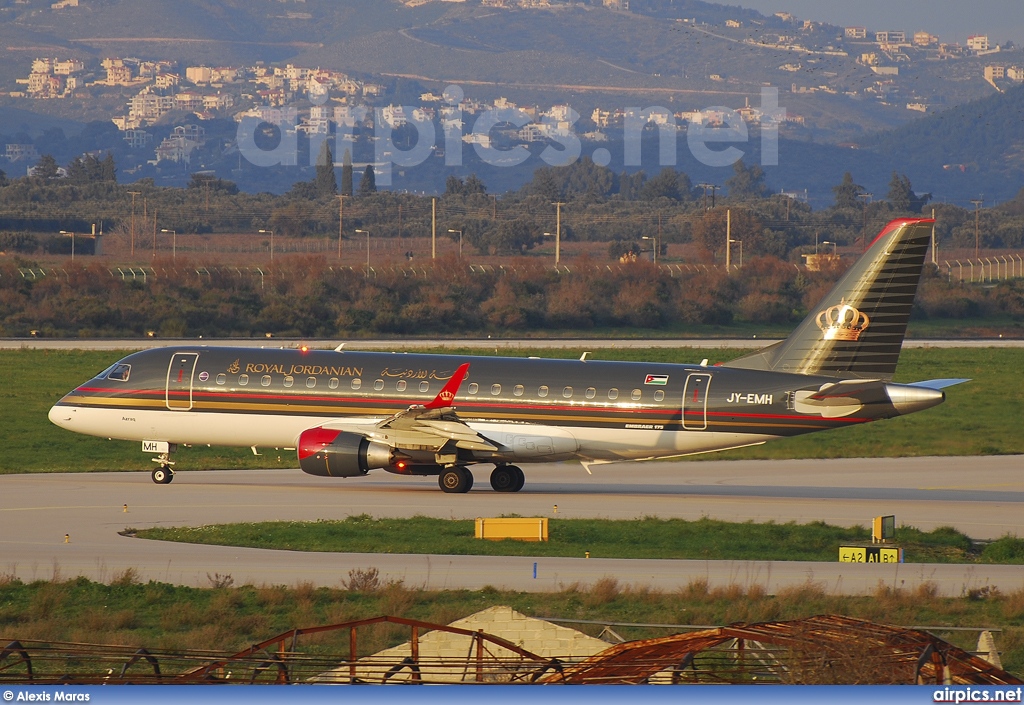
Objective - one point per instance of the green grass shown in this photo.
(979, 418)
(603, 538)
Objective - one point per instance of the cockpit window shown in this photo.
(120, 373)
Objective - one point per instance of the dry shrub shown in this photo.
(1013, 604)
(696, 589)
(48, 600)
(733, 592)
(396, 599)
(602, 592)
(183, 616)
(362, 580)
(926, 591)
(9, 576)
(126, 578)
(757, 591)
(799, 597)
(643, 593)
(98, 620)
(851, 662)
(219, 581)
(304, 591)
(272, 596)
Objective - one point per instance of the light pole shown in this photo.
(740, 243)
(655, 239)
(460, 240)
(65, 232)
(367, 233)
(174, 242)
(826, 242)
(271, 242)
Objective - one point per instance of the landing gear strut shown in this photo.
(455, 479)
(163, 474)
(507, 478)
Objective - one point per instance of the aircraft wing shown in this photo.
(428, 427)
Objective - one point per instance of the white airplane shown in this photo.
(347, 413)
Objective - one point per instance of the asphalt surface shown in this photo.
(982, 496)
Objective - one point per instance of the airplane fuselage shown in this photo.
(534, 409)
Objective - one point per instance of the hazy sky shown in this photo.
(951, 20)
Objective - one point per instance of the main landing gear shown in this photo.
(163, 474)
(507, 478)
(456, 479)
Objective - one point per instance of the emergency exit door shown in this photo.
(179, 381)
(695, 402)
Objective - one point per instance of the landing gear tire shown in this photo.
(507, 478)
(163, 476)
(455, 480)
(520, 478)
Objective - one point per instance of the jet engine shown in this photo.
(330, 453)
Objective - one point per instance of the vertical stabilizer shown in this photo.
(857, 330)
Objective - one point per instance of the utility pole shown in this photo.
(433, 228)
(713, 188)
(977, 222)
(154, 231)
(134, 194)
(864, 226)
(558, 231)
(341, 222)
(399, 221)
(728, 240)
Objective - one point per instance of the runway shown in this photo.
(983, 497)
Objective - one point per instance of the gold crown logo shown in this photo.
(843, 322)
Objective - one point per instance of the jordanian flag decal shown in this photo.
(657, 379)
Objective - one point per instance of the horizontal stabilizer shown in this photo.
(937, 383)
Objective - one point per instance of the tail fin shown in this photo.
(857, 330)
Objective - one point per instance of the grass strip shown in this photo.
(650, 537)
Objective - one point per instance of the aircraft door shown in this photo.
(695, 402)
(179, 381)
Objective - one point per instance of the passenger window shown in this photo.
(567, 392)
(289, 381)
(424, 386)
(222, 379)
(636, 395)
(659, 395)
(613, 393)
(518, 390)
(495, 389)
(542, 392)
(474, 387)
(591, 393)
(310, 382)
(378, 385)
(357, 383)
(120, 373)
(402, 384)
(333, 384)
(265, 380)
(243, 380)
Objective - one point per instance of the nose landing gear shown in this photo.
(163, 474)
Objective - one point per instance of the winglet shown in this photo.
(447, 395)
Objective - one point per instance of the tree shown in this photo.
(108, 169)
(746, 182)
(46, 168)
(847, 192)
(902, 196)
(346, 174)
(325, 183)
(664, 185)
(3, 178)
(368, 184)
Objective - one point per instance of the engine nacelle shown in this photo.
(328, 453)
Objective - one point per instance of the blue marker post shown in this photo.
(534, 571)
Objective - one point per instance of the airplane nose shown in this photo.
(60, 416)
